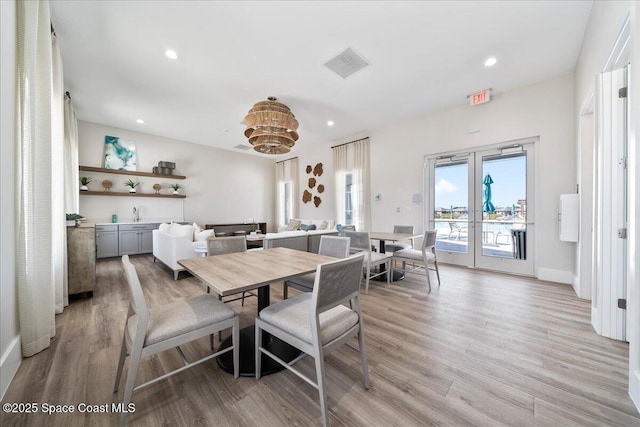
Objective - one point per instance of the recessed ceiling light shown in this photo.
(171, 54)
(140, 121)
(330, 123)
(490, 62)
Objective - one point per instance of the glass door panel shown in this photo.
(450, 199)
(503, 223)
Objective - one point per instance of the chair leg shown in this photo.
(368, 273)
(235, 341)
(123, 356)
(243, 298)
(437, 271)
(426, 271)
(321, 389)
(258, 352)
(389, 268)
(363, 358)
(285, 291)
(134, 363)
(175, 275)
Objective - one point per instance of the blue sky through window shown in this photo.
(509, 182)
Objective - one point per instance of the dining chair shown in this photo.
(318, 322)
(361, 242)
(337, 247)
(148, 331)
(227, 245)
(420, 258)
(456, 228)
(402, 244)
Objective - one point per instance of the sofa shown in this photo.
(305, 238)
(173, 242)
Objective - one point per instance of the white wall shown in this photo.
(545, 110)
(10, 354)
(221, 186)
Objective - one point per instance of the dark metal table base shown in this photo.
(397, 275)
(247, 353)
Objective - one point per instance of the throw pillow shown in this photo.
(185, 231)
(196, 228)
(323, 225)
(307, 227)
(294, 224)
(164, 227)
(202, 235)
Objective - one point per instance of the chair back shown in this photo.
(360, 241)
(337, 282)
(337, 247)
(403, 229)
(429, 241)
(344, 228)
(137, 304)
(226, 245)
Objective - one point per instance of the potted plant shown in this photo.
(131, 183)
(84, 181)
(176, 187)
(73, 219)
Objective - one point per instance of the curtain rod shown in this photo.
(350, 142)
(282, 161)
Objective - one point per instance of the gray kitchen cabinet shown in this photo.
(106, 241)
(136, 238)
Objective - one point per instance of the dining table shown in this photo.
(238, 272)
(383, 237)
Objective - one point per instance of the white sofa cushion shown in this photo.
(202, 235)
(180, 230)
(165, 227)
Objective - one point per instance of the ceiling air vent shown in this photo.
(243, 147)
(347, 63)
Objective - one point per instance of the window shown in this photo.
(286, 208)
(348, 201)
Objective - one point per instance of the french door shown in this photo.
(481, 204)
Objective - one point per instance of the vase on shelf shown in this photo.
(176, 193)
(132, 190)
(84, 188)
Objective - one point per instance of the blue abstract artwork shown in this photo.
(119, 153)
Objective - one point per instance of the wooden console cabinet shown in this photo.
(81, 260)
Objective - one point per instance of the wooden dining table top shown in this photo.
(233, 273)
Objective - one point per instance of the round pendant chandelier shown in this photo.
(271, 127)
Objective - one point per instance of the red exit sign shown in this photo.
(480, 97)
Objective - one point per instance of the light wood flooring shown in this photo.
(482, 349)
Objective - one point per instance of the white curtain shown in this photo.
(280, 193)
(353, 158)
(34, 261)
(293, 178)
(361, 190)
(58, 223)
(71, 173)
(341, 168)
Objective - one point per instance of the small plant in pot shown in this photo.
(73, 219)
(132, 184)
(176, 188)
(84, 181)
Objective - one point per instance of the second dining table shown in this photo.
(382, 237)
(233, 273)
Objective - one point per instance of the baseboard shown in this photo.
(634, 388)
(558, 276)
(9, 364)
(576, 285)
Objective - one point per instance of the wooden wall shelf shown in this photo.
(135, 173)
(116, 193)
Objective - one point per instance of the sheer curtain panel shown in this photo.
(293, 178)
(353, 158)
(34, 261)
(340, 167)
(280, 192)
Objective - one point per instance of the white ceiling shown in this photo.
(424, 56)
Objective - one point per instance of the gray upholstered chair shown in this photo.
(402, 244)
(347, 228)
(361, 242)
(337, 247)
(227, 245)
(421, 258)
(150, 331)
(318, 322)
